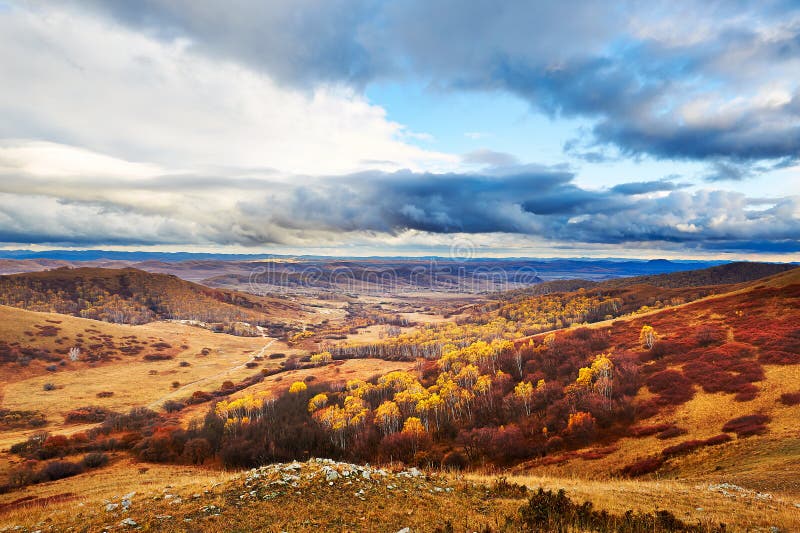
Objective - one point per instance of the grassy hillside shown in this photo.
(131, 296)
(300, 497)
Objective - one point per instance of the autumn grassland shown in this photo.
(648, 394)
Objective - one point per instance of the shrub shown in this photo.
(277, 355)
(157, 357)
(778, 357)
(197, 450)
(87, 414)
(95, 460)
(691, 445)
(554, 511)
(708, 335)
(554, 444)
(745, 426)
(646, 431)
(199, 396)
(503, 488)
(60, 470)
(104, 394)
(173, 406)
(790, 398)
(642, 467)
(718, 439)
(454, 461)
(155, 449)
(19, 419)
(184, 364)
(671, 386)
(671, 432)
(49, 386)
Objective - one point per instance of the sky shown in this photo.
(412, 127)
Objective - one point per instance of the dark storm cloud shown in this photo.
(644, 187)
(672, 80)
(529, 200)
(545, 204)
(297, 41)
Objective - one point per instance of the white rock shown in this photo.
(111, 507)
(405, 530)
(130, 522)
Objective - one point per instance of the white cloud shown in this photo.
(79, 80)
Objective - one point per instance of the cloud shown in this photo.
(75, 79)
(692, 80)
(645, 187)
(484, 156)
(733, 170)
(404, 207)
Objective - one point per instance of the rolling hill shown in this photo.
(132, 296)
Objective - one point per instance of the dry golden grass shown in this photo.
(134, 381)
(689, 501)
(315, 505)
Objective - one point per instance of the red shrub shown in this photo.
(671, 433)
(646, 431)
(682, 448)
(649, 408)
(671, 386)
(597, 453)
(778, 357)
(691, 445)
(642, 467)
(718, 439)
(745, 426)
(790, 398)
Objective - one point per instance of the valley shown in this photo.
(676, 391)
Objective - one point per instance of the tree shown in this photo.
(387, 415)
(414, 429)
(297, 387)
(581, 427)
(648, 337)
(321, 358)
(603, 373)
(317, 402)
(196, 450)
(524, 393)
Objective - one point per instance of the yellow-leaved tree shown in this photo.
(648, 337)
(297, 387)
(387, 415)
(523, 392)
(322, 358)
(317, 402)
